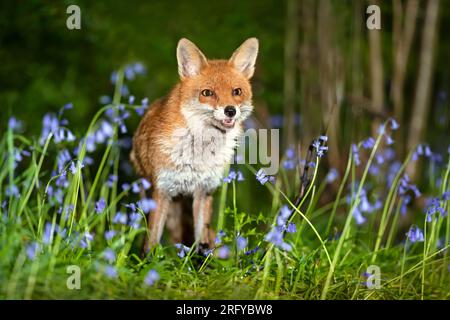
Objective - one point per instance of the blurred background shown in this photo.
(319, 66)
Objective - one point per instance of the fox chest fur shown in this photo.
(197, 160)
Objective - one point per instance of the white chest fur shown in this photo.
(198, 160)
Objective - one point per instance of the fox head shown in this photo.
(216, 93)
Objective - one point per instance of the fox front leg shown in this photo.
(202, 210)
(157, 220)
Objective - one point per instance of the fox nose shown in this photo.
(230, 111)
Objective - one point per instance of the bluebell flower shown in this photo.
(240, 176)
(446, 196)
(262, 177)
(126, 186)
(359, 218)
(394, 124)
(283, 216)
(135, 220)
(290, 153)
(47, 236)
(14, 124)
(135, 187)
(415, 234)
(406, 185)
(151, 278)
(182, 250)
(433, 206)
(369, 143)
(379, 159)
(223, 252)
(355, 152)
(109, 255)
(111, 272)
(111, 180)
(389, 140)
(252, 251)
(105, 100)
(12, 190)
(145, 184)
(276, 121)
(219, 236)
(381, 129)
(120, 218)
(110, 234)
(332, 175)
(291, 228)
(86, 239)
(241, 243)
(100, 205)
(139, 68)
(275, 236)
(147, 205)
(32, 250)
(289, 164)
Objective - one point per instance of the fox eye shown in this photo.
(207, 93)
(237, 92)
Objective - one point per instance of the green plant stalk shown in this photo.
(390, 238)
(387, 207)
(338, 197)
(349, 218)
(222, 203)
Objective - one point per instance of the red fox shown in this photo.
(213, 96)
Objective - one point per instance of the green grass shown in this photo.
(329, 255)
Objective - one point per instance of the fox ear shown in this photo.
(244, 57)
(190, 59)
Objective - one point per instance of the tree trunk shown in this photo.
(402, 37)
(421, 107)
(290, 71)
(376, 75)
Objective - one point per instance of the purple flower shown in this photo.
(223, 252)
(135, 220)
(446, 196)
(12, 190)
(219, 236)
(145, 184)
(105, 99)
(109, 255)
(120, 218)
(369, 143)
(111, 179)
(389, 140)
(355, 152)
(359, 218)
(262, 177)
(241, 242)
(252, 251)
(47, 236)
(109, 234)
(291, 228)
(283, 216)
(415, 234)
(394, 124)
(147, 205)
(182, 250)
(32, 249)
(110, 272)
(14, 124)
(100, 205)
(332, 175)
(151, 278)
